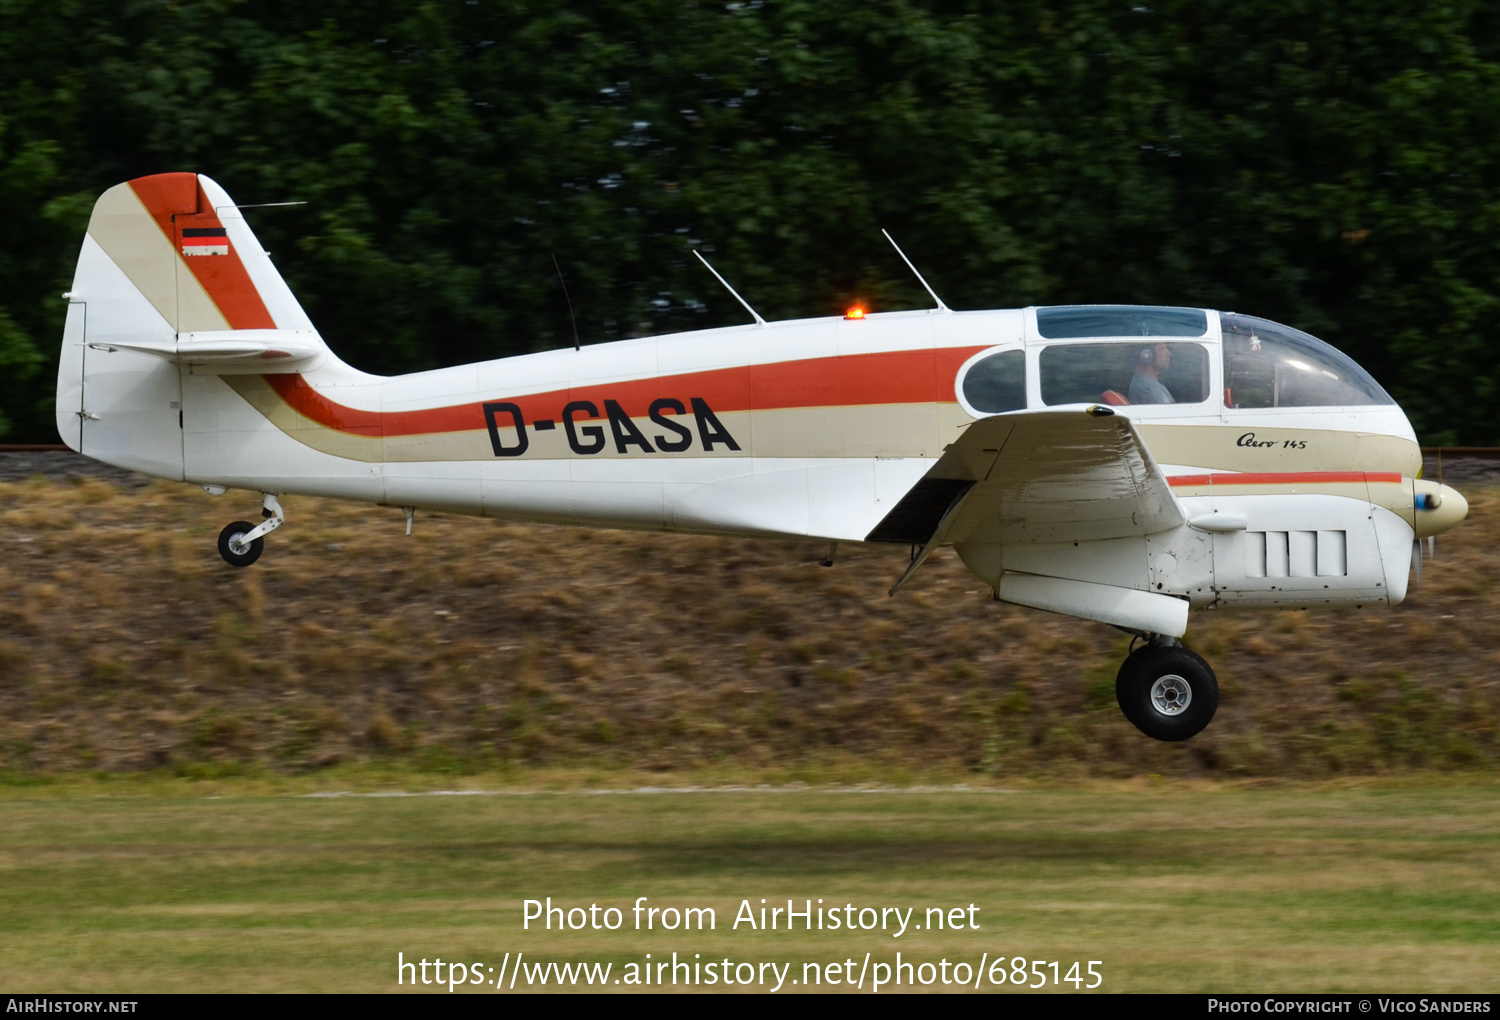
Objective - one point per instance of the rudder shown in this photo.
(168, 260)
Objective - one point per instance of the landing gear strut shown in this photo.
(241, 543)
(1168, 692)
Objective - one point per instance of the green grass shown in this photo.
(164, 884)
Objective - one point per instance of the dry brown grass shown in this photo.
(126, 644)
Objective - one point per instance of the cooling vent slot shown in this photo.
(1296, 553)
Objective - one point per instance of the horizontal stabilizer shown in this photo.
(233, 352)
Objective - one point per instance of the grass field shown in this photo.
(126, 645)
(170, 885)
(164, 720)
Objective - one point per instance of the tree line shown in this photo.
(1330, 166)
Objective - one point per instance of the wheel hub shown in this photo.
(1171, 695)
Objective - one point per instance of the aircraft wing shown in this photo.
(1036, 476)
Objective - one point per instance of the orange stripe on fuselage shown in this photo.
(897, 377)
(1283, 478)
(176, 202)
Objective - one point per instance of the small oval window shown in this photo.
(997, 384)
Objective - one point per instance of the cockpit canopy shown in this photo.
(1161, 355)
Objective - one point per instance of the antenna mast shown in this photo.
(576, 345)
(758, 320)
(940, 306)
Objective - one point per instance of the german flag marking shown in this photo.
(205, 241)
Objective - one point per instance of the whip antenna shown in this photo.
(758, 320)
(571, 316)
(940, 306)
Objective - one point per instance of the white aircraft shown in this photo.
(1122, 464)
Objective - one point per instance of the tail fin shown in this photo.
(170, 276)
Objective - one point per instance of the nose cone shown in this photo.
(1438, 508)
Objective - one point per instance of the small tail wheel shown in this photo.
(235, 551)
(1168, 692)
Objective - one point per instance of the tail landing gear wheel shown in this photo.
(1169, 693)
(234, 551)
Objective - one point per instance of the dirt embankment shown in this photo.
(125, 643)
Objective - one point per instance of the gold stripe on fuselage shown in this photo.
(1242, 446)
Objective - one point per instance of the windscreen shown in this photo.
(1270, 365)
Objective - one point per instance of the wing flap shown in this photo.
(1140, 611)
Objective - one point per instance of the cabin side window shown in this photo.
(1148, 371)
(1270, 365)
(997, 384)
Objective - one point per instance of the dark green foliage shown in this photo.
(1332, 167)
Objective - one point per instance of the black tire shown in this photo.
(245, 557)
(1169, 693)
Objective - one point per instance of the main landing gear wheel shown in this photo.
(1169, 692)
(237, 553)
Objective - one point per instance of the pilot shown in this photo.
(1145, 387)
